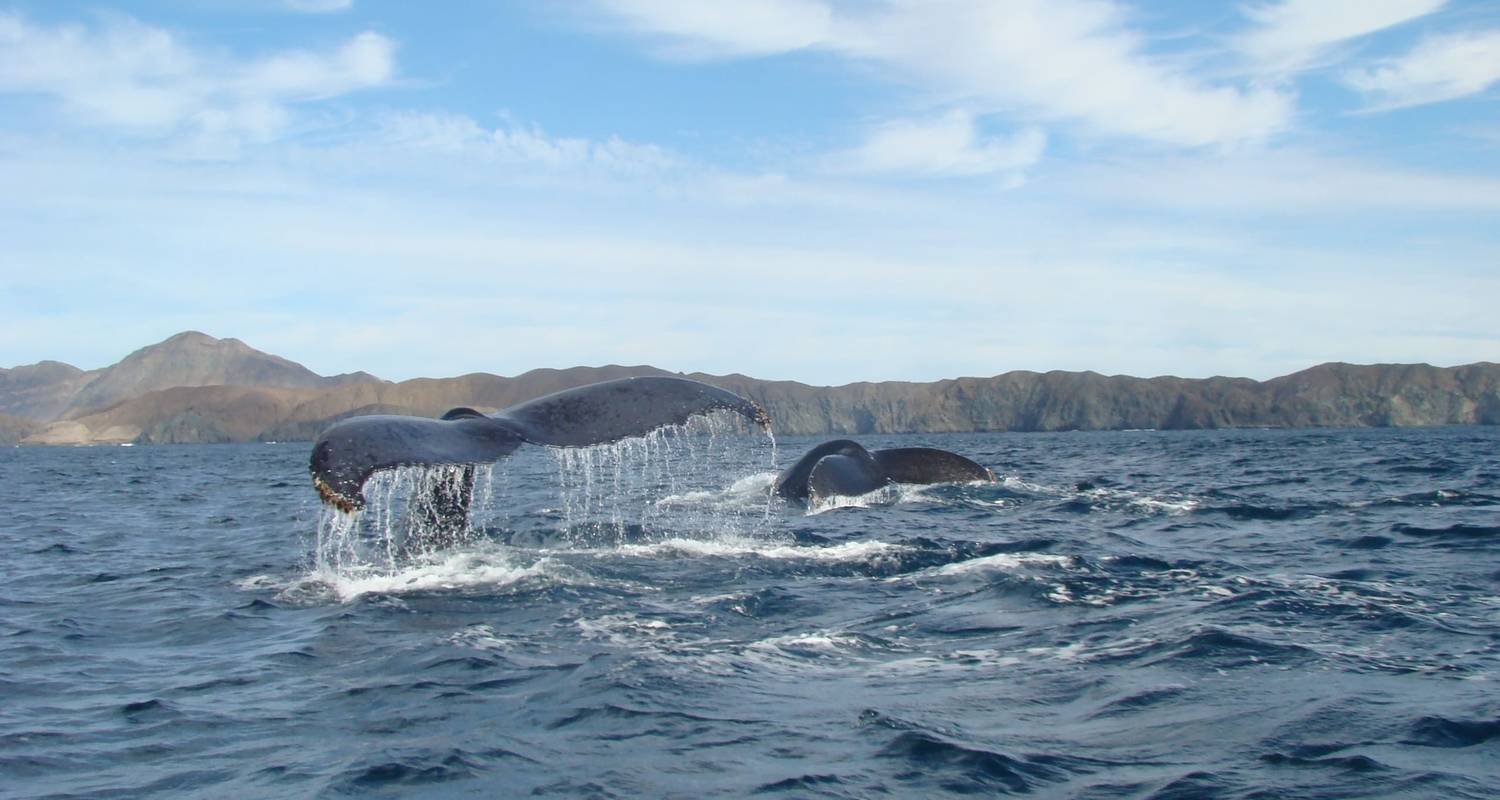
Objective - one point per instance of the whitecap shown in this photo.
(460, 569)
(1003, 562)
(736, 546)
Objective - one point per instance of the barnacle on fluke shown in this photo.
(331, 496)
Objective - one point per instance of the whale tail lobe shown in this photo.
(929, 465)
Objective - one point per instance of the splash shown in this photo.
(883, 496)
(663, 484)
(399, 523)
(656, 487)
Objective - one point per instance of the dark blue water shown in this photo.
(1198, 614)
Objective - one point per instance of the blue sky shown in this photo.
(816, 190)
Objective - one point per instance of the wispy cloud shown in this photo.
(711, 30)
(1290, 35)
(318, 6)
(1439, 68)
(1288, 183)
(461, 135)
(127, 74)
(1068, 60)
(947, 145)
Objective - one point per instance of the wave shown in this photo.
(1440, 497)
(737, 546)
(1435, 731)
(1003, 562)
(751, 491)
(1460, 532)
(481, 567)
(1208, 648)
(951, 762)
(1355, 763)
(415, 767)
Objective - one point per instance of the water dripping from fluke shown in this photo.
(669, 484)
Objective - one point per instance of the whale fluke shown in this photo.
(843, 468)
(352, 450)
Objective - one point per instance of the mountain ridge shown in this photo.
(194, 388)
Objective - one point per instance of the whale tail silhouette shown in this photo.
(843, 467)
(352, 450)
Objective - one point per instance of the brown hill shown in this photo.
(1332, 395)
(39, 392)
(51, 390)
(14, 429)
(192, 359)
(180, 415)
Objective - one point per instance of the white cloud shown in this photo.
(948, 145)
(1070, 60)
(318, 6)
(1438, 68)
(366, 60)
(132, 75)
(1295, 34)
(1287, 182)
(457, 134)
(708, 29)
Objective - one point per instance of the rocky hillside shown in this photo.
(1330, 395)
(14, 429)
(39, 392)
(231, 393)
(44, 402)
(194, 359)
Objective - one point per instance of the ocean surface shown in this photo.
(1126, 614)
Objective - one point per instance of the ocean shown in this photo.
(1254, 613)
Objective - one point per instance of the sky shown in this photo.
(817, 190)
